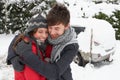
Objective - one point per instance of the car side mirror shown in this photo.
(78, 29)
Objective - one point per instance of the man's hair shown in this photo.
(58, 14)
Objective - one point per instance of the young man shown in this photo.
(63, 39)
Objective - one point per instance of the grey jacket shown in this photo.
(59, 70)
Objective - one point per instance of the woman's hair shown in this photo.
(18, 39)
(58, 14)
(23, 37)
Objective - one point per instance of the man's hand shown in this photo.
(23, 48)
(17, 64)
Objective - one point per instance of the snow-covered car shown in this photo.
(96, 40)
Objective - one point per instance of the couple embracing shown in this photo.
(46, 48)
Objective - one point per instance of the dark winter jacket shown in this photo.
(59, 70)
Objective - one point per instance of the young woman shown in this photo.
(36, 35)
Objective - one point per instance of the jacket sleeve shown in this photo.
(67, 56)
(11, 52)
(49, 70)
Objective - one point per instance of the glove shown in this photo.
(23, 48)
(17, 64)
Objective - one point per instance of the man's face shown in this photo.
(56, 30)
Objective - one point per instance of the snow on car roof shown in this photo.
(103, 33)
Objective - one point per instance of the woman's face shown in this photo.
(41, 34)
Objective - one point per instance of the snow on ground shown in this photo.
(6, 72)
